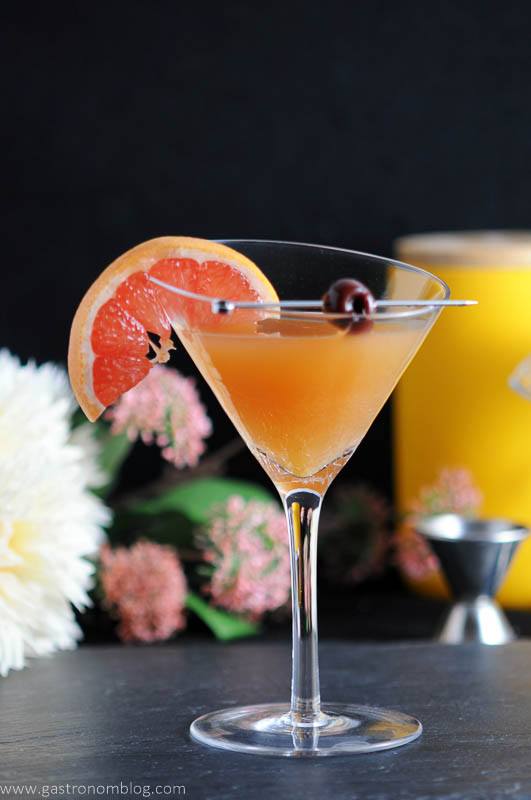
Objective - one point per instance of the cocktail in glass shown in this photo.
(302, 386)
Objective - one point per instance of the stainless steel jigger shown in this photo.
(475, 555)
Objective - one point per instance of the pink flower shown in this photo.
(454, 492)
(247, 545)
(145, 589)
(164, 408)
(355, 539)
(414, 556)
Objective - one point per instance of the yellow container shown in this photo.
(454, 407)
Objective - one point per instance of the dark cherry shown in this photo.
(349, 296)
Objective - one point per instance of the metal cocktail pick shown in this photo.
(221, 306)
(475, 555)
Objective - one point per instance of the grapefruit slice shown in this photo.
(123, 324)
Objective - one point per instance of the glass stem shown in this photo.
(302, 510)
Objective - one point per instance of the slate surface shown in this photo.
(105, 715)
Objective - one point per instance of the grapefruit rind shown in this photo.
(140, 259)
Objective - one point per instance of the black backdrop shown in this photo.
(345, 123)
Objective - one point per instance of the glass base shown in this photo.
(268, 730)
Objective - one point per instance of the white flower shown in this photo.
(50, 523)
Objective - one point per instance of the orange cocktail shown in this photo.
(303, 392)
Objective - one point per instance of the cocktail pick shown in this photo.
(475, 555)
(221, 306)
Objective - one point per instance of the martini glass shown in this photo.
(302, 387)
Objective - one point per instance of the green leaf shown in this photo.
(78, 418)
(223, 625)
(165, 528)
(114, 449)
(194, 499)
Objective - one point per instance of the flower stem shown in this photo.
(225, 626)
(211, 465)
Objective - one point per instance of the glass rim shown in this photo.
(306, 309)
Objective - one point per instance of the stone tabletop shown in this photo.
(114, 715)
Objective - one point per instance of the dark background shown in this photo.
(346, 123)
